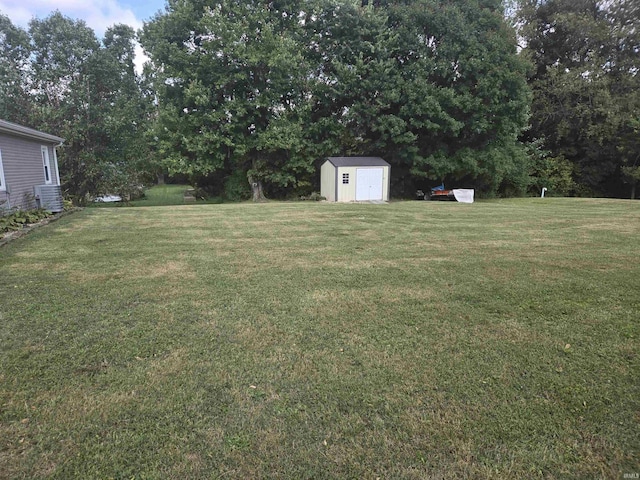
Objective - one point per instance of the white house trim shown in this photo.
(15, 129)
(3, 183)
(55, 162)
(46, 165)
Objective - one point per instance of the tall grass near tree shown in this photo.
(410, 340)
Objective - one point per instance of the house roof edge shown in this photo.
(22, 131)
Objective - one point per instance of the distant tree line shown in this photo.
(257, 93)
(246, 98)
(585, 78)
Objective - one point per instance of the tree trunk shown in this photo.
(256, 190)
(160, 177)
(633, 190)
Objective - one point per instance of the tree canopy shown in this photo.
(586, 57)
(58, 77)
(247, 98)
(267, 90)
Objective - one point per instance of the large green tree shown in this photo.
(268, 89)
(232, 85)
(15, 50)
(122, 117)
(87, 92)
(586, 57)
(439, 90)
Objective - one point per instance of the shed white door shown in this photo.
(369, 184)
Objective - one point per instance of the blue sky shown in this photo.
(98, 14)
(144, 9)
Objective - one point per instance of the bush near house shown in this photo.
(20, 218)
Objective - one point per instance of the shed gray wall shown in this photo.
(23, 170)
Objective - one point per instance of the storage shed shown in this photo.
(29, 175)
(355, 179)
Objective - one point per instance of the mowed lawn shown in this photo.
(310, 340)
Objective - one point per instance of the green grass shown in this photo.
(159, 195)
(411, 340)
(156, 196)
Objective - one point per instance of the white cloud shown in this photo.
(19, 14)
(98, 14)
(140, 59)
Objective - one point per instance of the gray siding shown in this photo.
(23, 170)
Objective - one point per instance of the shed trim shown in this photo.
(357, 162)
(335, 182)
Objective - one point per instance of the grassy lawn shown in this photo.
(301, 340)
(159, 195)
(155, 196)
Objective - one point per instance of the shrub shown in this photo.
(67, 204)
(314, 196)
(554, 173)
(236, 187)
(18, 219)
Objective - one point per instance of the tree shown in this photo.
(124, 113)
(462, 93)
(15, 49)
(61, 48)
(232, 90)
(269, 89)
(435, 87)
(586, 86)
(88, 93)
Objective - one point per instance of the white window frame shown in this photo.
(3, 183)
(46, 165)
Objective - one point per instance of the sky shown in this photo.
(98, 14)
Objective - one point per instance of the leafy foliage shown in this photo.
(586, 86)
(59, 78)
(270, 89)
(232, 85)
(15, 50)
(550, 172)
(18, 219)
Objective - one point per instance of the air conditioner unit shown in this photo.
(49, 197)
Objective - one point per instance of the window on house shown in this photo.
(46, 165)
(3, 185)
(345, 178)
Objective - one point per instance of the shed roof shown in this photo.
(19, 130)
(357, 162)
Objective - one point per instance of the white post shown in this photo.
(543, 190)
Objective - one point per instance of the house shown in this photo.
(29, 175)
(355, 179)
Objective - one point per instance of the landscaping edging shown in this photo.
(10, 236)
